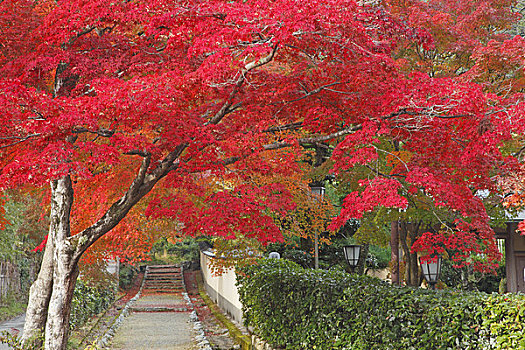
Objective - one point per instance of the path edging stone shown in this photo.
(202, 342)
(200, 337)
(104, 340)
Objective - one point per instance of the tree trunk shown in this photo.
(57, 326)
(39, 295)
(65, 270)
(407, 234)
(50, 300)
(51, 294)
(394, 248)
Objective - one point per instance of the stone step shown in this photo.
(162, 274)
(160, 309)
(163, 280)
(178, 280)
(162, 269)
(162, 286)
(161, 291)
(164, 277)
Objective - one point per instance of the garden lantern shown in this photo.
(352, 253)
(431, 270)
(317, 191)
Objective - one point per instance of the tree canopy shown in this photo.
(121, 98)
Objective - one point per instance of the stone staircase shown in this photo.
(163, 279)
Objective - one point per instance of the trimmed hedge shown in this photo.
(294, 308)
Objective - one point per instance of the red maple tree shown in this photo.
(132, 96)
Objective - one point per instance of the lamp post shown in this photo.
(352, 253)
(317, 190)
(431, 270)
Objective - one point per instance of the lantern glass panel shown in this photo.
(352, 253)
(317, 192)
(431, 270)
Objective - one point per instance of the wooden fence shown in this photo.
(9, 279)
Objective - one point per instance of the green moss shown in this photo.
(235, 333)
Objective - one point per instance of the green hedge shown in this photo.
(88, 301)
(294, 308)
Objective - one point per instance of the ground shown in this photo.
(216, 333)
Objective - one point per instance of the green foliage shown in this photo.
(292, 253)
(296, 308)
(330, 255)
(374, 228)
(11, 242)
(186, 250)
(25, 228)
(11, 306)
(180, 251)
(504, 317)
(288, 305)
(298, 256)
(127, 275)
(467, 278)
(15, 342)
(89, 300)
(378, 258)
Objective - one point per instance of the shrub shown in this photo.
(127, 274)
(88, 301)
(294, 308)
(186, 250)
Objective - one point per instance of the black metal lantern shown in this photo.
(352, 253)
(317, 190)
(431, 270)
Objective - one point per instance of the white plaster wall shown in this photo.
(222, 288)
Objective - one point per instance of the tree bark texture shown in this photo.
(51, 293)
(65, 269)
(394, 248)
(39, 295)
(407, 235)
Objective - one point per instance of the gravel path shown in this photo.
(159, 321)
(154, 330)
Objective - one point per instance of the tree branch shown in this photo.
(100, 132)
(278, 128)
(228, 106)
(313, 92)
(423, 112)
(142, 184)
(19, 139)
